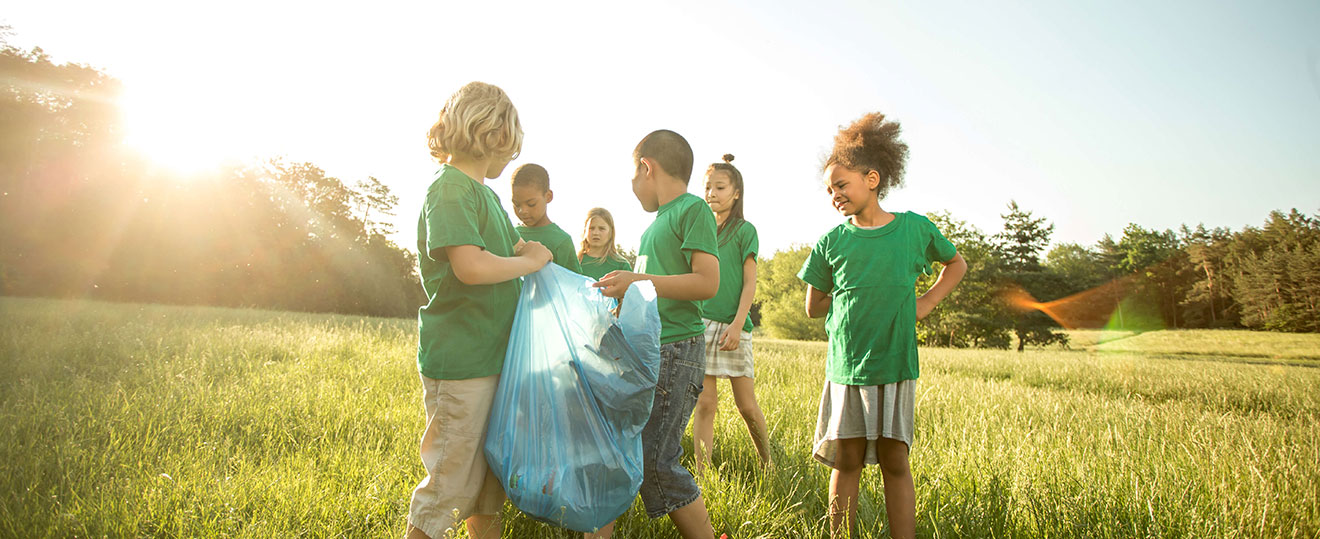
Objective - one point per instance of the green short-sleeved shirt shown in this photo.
(557, 241)
(737, 242)
(463, 329)
(872, 275)
(681, 226)
(597, 267)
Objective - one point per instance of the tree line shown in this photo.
(1265, 278)
(81, 215)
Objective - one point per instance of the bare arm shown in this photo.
(950, 276)
(748, 293)
(818, 303)
(476, 266)
(702, 283)
(732, 335)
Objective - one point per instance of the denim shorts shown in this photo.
(666, 484)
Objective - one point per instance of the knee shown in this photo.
(850, 457)
(894, 461)
(845, 464)
(708, 402)
(749, 411)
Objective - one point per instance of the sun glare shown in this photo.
(177, 133)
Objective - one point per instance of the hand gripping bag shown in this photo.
(576, 389)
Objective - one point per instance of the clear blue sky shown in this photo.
(1091, 114)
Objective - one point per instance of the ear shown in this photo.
(649, 167)
(872, 180)
(549, 195)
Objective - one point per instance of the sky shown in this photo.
(1090, 114)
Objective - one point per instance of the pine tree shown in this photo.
(1020, 244)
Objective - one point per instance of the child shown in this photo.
(864, 272)
(597, 255)
(531, 195)
(678, 255)
(471, 259)
(728, 330)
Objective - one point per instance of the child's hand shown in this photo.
(535, 251)
(730, 338)
(616, 282)
(925, 306)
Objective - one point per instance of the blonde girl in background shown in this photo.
(728, 328)
(598, 255)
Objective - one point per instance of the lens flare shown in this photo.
(1099, 307)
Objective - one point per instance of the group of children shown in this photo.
(700, 255)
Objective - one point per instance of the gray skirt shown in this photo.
(870, 412)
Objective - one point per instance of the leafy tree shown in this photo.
(1079, 268)
(781, 296)
(1154, 258)
(375, 196)
(972, 315)
(82, 216)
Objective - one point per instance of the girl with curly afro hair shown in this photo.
(861, 276)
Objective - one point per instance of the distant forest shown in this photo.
(83, 216)
(1265, 278)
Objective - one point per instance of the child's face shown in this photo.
(643, 185)
(529, 204)
(851, 191)
(720, 193)
(598, 232)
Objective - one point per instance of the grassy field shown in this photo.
(133, 420)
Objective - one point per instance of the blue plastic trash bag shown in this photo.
(576, 389)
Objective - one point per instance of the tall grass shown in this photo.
(136, 420)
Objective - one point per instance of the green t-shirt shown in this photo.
(463, 329)
(597, 267)
(557, 241)
(872, 275)
(737, 242)
(681, 226)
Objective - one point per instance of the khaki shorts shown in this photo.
(458, 483)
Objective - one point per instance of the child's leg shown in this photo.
(845, 482)
(667, 487)
(744, 395)
(900, 493)
(703, 423)
(603, 533)
(458, 484)
(484, 526)
(692, 520)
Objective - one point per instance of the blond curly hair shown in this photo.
(477, 122)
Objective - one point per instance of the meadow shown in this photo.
(126, 420)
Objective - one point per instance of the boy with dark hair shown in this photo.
(678, 254)
(531, 195)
